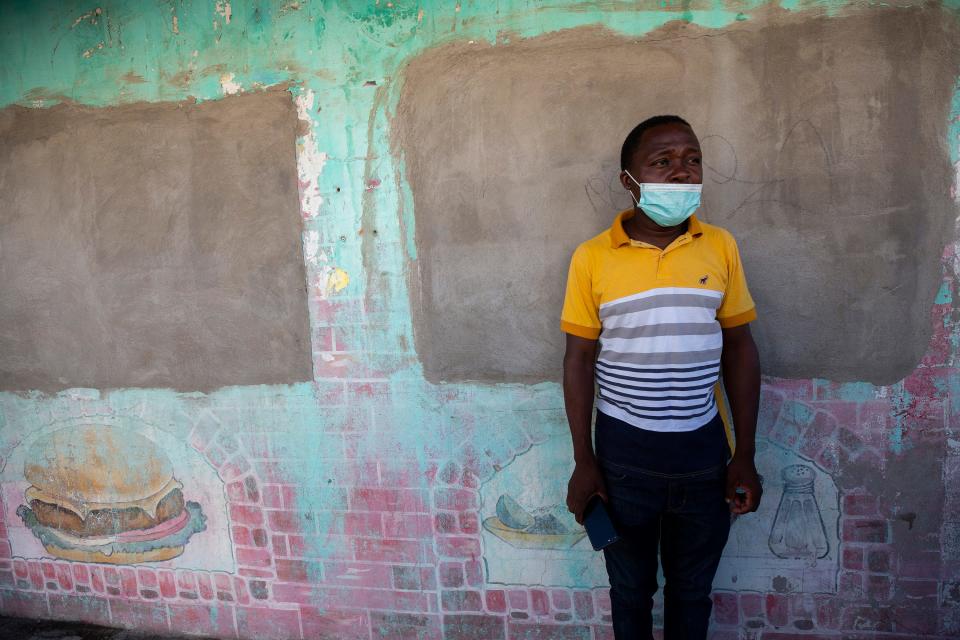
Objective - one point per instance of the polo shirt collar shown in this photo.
(619, 237)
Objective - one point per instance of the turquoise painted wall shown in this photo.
(368, 479)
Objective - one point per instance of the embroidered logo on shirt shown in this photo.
(704, 279)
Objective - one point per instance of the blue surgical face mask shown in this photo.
(669, 203)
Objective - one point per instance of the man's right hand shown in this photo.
(586, 482)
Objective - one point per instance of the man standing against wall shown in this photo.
(656, 307)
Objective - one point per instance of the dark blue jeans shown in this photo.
(686, 518)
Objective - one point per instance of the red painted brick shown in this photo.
(23, 604)
(583, 604)
(878, 561)
(463, 626)
(49, 570)
(358, 574)
(828, 611)
(7, 579)
(523, 631)
(602, 599)
(777, 608)
(341, 625)
(918, 589)
(186, 580)
(496, 600)
(237, 466)
(469, 522)
(605, 632)
(865, 531)
(299, 571)
(377, 550)
(751, 605)
(331, 547)
(403, 626)
(473, 570)
(88, 609)
(915, 620)
(268, 624)
(859, 505)
(64, 576)
(291, 522)
(517, 599)
(81, 573)
(293, 593)
(253, 557)
(850, 585)
(726, 608)
(216, 620)
(236, 492)
(96, 579)
(384, 599)
(128, 580)
(853, 558)
(240, 590)
(447, 522)
(453, 499)
(920, 565)
(363, 523)
(539, 602)
(241, 514)
(242, 536)
(21, 570)
(147, 578)
(270, 495)
(205, 586)
(458, 547)
(380, 499)
(142, 616)
(457, 600)
(168, 583)
(451, 574)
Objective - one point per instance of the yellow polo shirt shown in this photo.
(658, 316)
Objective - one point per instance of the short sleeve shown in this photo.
(580, 315)
(737, 307)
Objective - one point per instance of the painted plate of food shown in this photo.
(551, 527)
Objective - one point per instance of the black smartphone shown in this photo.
(598, 524)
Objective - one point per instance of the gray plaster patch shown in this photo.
(152, 245)
(825, 145)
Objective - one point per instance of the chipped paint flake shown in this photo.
(91, 15)
(176, 25)
(229, 85)
(310, 160)
(223, 8)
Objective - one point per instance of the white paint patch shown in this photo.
(311, 246)
(176, 25)
(229, 85)
(310, 160)
(223, 8)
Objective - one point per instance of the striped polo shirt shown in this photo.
(658, 315)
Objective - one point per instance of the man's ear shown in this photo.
(625, 180)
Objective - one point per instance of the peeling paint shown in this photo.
(229, 85)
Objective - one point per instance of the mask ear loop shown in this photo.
(635, 200)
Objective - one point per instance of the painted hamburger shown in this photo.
(103, 494)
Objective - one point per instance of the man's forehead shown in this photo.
(668, 135)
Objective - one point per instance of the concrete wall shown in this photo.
(361, 503)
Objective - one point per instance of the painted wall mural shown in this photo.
(100, 495)
(371, 501)
(110, 492)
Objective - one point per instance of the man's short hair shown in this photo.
(633, 138)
